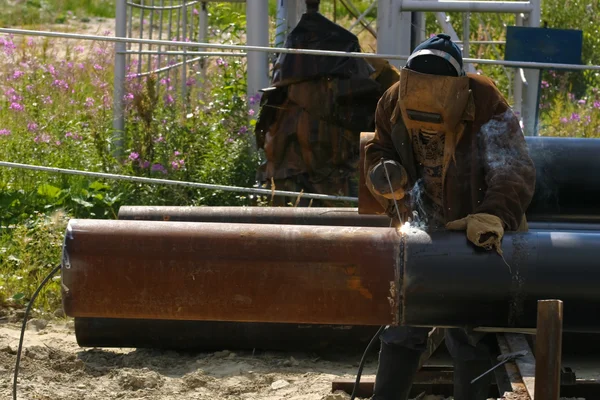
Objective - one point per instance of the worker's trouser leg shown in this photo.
(401, 349)
(471, 358)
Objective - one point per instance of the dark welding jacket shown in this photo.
(488, 169)
(312, 115)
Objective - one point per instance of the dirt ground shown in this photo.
(54, 367)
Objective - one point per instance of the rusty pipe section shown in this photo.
(255, 215)
(228, 272)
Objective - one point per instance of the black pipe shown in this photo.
(448, 282)
(212, 336)
(567, 182)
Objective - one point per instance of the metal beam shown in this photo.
(467, 6)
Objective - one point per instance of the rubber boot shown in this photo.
(464, 373)
(395, 373)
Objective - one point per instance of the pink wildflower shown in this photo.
(5, 132)
(32, 127)
(17, 107)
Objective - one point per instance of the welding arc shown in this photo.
(27, 311)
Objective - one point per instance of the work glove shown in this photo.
(483, 230)
(397, 177)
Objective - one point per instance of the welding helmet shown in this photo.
(434, 89)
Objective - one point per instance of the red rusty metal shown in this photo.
(228, 272)
(255, 215)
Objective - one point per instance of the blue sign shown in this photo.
(543, 45)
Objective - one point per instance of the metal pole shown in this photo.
(466, 34)
(203, 37)
(257, 21)
(517, 81)
(141, 37)
(281, 23)
(533, 77)
(468, 6)
(419, 29)
(548, 349)
(119, 77)
(393, 30)
(184, 21)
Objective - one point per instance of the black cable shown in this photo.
(362, 362)
(27, 311)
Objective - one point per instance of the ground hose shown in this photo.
(362, 361)
(27, 311)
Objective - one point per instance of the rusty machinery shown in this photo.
(333, 274)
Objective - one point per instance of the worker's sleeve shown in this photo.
(382, 146)
(509, 170)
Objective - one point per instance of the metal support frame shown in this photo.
(257, 25)
(393, 30)
(532, 76)
(119, 77)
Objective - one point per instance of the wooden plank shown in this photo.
(548, 349)
(425, 376)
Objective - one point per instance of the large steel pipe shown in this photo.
(324, 275)
(566, 185)
(446, 282)
(255, 215)
(228, 272)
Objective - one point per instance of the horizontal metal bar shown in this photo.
(145, 7)
(498, 42)
(164, 69)
(188, 53)
(165, 8)
(511, 7)
(102, 175)
(329, 53)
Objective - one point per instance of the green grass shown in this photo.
(56, 110)
(37, 12)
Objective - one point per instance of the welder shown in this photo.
(449, 153)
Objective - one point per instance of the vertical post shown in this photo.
(119, 77)
(257, 31)
(533, 77)
(203, 38)
(184, 28)
(466, 34)
(419, 29)
(393, 30)
(517, 81)
(548, 349)
(281, 23)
